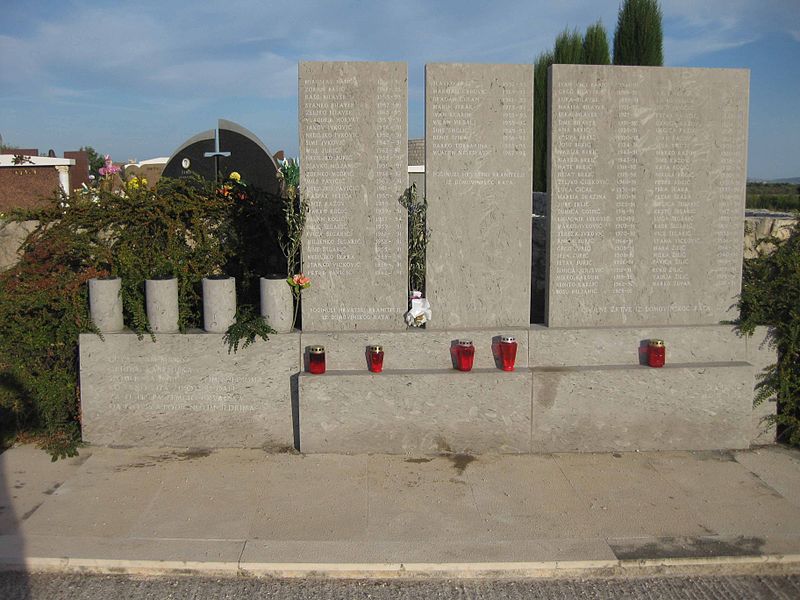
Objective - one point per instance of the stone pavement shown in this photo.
(246, 511)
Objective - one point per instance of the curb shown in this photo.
(718, 565)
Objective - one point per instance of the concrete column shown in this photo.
(63, 177)
(105, 304)
(219, 304)
(162, 304)
(276, 304)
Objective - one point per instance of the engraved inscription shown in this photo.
(646, 191)
(163, 383)
(478, 127)
(354, 157)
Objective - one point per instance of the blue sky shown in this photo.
(136, 79)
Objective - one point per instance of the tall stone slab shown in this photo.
(478, 144)
(354, 169)
(647, 190)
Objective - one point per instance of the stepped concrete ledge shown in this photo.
(249, 512)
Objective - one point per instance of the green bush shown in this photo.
(774, 202)
(187, 229)
(771, 296)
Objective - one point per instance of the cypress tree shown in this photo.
(568, 48)
(543, 61)
(595, 46)
(638, 39)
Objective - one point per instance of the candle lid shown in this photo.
(316, 349)
(465, 342)
(656, 343)
(507, 339)
(376, 348)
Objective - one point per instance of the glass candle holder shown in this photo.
(508, 352)
(465, 355)
(375, 356)
(316, 360)
(656, 353)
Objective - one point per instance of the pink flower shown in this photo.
(110, 168)
(299, 281)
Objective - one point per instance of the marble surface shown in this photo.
(354, 157)
(647, 190)
(478, 172)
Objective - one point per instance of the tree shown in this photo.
(595, 46)
(568, 48)
(543, 62)
(638, 39)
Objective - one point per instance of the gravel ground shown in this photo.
(18, 586)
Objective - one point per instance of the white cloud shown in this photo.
(681, 51)
(795, 34)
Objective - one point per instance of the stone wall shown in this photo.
(12, 235)
(759, 225)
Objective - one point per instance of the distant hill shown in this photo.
(785, 180)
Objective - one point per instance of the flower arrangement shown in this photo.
(109, 168)
(297, 283)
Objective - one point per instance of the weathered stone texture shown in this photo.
(186, 390)
(478, 171)
(354, 156)
(647, 188)
(702, 406)
(415, 412)
(553, 347)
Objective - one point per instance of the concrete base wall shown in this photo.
(585, 390)
(413, 412)
(186, 390)
(700, 406)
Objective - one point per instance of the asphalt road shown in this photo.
(18, 586)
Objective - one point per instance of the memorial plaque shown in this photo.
(647, 190)
(478, 163)
(354, 163)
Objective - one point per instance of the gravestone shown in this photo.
(229, 148)
(647, 189)
(478, 171)
(353, 148)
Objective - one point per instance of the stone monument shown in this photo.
(647, 187)
(353, 147)
(478, 172)
(228, 148)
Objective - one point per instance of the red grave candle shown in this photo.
(375, 355)
(508, 352)
(316, 360)
(465, 355)
(656, 353)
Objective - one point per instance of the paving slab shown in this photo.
(726, 497)
(315, 497)
(248, 511)
(215, 499)
(626, 494)
(776, 466)
(30, 477)
(428, 551)
(528, 497)
(128, 549)
(420, 499)
(104, 498)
